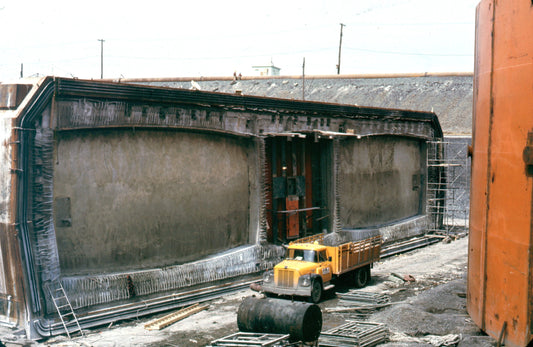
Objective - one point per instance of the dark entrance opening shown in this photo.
(298, 177)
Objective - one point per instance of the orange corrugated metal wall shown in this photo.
(500, 249)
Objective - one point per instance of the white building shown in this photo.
(266, 70)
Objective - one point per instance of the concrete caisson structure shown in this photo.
(122, 191)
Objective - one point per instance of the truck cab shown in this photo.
(306, 271)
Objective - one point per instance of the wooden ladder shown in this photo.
(64, 308)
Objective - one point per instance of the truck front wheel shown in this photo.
(316, 292)
(362, 276)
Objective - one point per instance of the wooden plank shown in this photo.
(172, 318)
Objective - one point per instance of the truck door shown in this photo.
(325, 266)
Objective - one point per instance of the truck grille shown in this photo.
(285, 278)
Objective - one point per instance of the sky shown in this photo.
(217, 38)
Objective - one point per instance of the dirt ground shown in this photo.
(427, 312)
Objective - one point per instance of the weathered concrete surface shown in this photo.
(379, 180)
(458, 176)
(148, 198)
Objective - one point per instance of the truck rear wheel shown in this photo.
(362, 276)
(316, 292)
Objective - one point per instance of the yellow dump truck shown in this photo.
(310, 265)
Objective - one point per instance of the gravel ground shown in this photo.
(427, 312)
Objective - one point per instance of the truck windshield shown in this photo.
(301, 254)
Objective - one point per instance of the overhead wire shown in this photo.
(410, 53)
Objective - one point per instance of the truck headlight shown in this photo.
(304, 281)
(268, 276)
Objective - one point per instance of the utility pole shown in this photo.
(340, 45)
(303, 80)
(101, 58)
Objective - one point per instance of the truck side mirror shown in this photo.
(329, 258)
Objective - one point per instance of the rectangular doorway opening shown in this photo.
(298, 185)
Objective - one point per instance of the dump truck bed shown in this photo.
(350, 255)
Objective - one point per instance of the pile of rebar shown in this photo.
(354, 334)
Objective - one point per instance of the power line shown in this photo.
(430, 24)
(410, 53)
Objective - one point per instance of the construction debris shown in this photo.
(358, 297)
(434, 340)
(405, 278)
(169, 319)
(409, 278)
(354, 333)
(256, 287)
(360, 303)
(361, 311)
(253, 339)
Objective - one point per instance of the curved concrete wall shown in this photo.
(129, 199)
(379, 180)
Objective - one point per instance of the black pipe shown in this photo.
(303, 321)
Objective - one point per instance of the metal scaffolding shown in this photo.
(448, 192)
